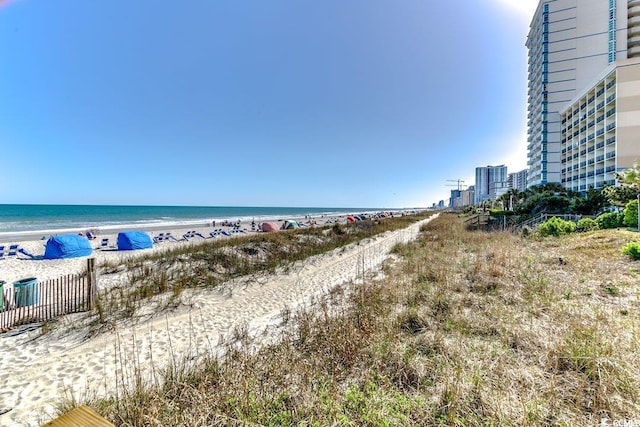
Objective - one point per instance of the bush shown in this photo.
(556, 227)
(587, 224)
(632, 249)
(630, 213)
(609, 220)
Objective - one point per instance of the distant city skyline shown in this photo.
(363, 103)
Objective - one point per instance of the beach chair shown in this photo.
(190, 234)
(2, 253)
(104, 243)
(26, 253)
(13, 250)
(159, 238)
(169, 236)
(198, 234)
(219, 232)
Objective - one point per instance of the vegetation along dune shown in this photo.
(461, 327)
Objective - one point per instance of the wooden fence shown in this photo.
(39, 301)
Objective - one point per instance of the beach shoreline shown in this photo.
(177, 225)
(25, 222)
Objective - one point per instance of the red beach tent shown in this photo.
(269, 226)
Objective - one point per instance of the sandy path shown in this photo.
(36, 373)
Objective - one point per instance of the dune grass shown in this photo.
(160, 278)
(466, 328)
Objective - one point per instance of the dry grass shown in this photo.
(467, 328)
(155, 282)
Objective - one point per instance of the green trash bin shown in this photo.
(26, 292)
(2, 282)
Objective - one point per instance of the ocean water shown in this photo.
(30, 218)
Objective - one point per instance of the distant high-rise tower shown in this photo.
(570, 44)
(485, 176)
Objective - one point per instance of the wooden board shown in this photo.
(82, 416)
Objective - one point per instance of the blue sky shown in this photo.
(332, 103)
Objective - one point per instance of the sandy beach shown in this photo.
(21, 266)
(40, 370)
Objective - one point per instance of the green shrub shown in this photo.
(632, 249)
(609, 220)
(630, 213)
(587, 224)
(556, 227)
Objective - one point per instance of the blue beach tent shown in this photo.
(132, 240)
(67, 246)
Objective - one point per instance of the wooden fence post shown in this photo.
(91, 282)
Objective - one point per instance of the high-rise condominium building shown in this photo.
(579, 73)
(455, 200)
(461, 198)
(487, 176)
(518, 180)
(467, 196)
(600, 128)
